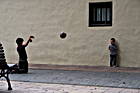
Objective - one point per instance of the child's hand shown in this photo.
(30, 38)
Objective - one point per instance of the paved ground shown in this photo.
(60, 81)
(29, 87)
(104, 79)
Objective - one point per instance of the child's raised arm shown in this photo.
(29, 40)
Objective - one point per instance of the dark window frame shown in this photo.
(100, 20)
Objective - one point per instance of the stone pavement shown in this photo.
(30, 87)
(90, 78)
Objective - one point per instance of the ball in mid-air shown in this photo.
(63, 35)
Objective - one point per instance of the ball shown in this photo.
(63, 35)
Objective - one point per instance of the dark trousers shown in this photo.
(113, 60)
(23, 66)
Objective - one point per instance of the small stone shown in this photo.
(123, 82)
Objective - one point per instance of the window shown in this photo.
(100, 14)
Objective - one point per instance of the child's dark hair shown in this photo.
(19, 41)
(113, 39)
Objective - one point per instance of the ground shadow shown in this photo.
(4, 91)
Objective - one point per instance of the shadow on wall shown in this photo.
(119, 52)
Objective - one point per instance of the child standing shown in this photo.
(113, 52)
(23, 63)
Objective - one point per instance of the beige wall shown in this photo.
(45, 19)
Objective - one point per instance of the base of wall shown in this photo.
(85, 68)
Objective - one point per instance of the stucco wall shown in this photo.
(46, 19)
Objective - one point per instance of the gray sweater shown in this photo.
(113, 49)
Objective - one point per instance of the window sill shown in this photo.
(100, 27)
